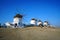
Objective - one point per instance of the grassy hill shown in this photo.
(30, 33)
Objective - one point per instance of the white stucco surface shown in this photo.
(39, 23)
(33, 22)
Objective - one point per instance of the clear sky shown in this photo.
(40, 9)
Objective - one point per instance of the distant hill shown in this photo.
(30, 33)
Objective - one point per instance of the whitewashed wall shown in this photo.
(39, 23)
(33, 22)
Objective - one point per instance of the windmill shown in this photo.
(46, 23)
(40, 23)
(18, 19)
(33, 22)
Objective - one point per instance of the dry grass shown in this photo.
(30, 33)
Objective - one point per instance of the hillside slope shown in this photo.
(30, 33)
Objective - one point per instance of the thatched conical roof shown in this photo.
(39, 21)
(18, 16)
(33, 19)
(46, 21)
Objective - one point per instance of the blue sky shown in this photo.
(40, 9)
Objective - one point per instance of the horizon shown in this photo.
(45, 10)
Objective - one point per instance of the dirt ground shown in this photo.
(30, 33)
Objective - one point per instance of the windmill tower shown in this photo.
(33, 21)
(40, 23)
(18, 20)
(45, 23)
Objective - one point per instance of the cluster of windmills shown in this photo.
(39, 23)
(18, 23)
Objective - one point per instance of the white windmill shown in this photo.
(40, 23)
(33, 21)
(18, 20)
(45, 23)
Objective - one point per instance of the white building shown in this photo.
(18, 21)
(9, 25)
(33, 21)
(39, 23)
(45, 23)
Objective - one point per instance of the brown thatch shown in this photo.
(18, 16)
(39, 21)
(46, 21)
(33, 19)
